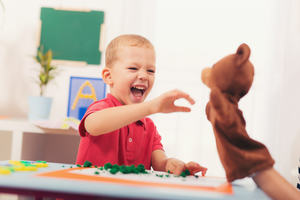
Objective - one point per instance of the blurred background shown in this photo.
(188, 36)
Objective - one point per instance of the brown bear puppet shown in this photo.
(229, 80)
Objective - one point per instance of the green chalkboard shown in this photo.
(72, 35)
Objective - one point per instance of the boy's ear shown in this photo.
(106, 76)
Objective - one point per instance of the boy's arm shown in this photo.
(275, 186)
(110, 119)
(158, 160)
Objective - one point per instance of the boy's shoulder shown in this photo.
(100, 104)
(108, 101)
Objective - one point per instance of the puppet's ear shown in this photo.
(242, 54)
(205, 76)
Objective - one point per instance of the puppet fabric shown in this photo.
(229, 80)
(240, 155)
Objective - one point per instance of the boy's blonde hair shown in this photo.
(111, 53)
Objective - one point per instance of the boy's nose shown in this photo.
(142, 75)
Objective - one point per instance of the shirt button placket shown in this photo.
(130, 145)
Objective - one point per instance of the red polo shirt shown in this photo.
(132, 144)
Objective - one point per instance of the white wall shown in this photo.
(18, 42)
(188, 35)
(192, 35)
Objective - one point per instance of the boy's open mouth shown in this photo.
(138, 91)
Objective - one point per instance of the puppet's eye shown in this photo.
(242, 93)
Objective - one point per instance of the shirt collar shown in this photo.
(116, 102)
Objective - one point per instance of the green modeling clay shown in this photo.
(185, 173)
(113, 169)
(87, 164)
(107, 166)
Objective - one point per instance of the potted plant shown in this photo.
(40, 106)
(47, 70)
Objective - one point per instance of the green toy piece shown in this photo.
(107, 166)
(124, 169)
(185, 173)
(41, 161)
(141, 169)
(159, 175)
(114, 170)
(115, 166)
(87, 164)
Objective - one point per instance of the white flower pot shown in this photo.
(39, 107)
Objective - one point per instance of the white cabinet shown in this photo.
(22, 140)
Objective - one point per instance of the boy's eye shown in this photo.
(132, 68)
(151, 70)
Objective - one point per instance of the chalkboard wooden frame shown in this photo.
(72, 35)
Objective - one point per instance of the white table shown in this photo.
(78, 189)
(19, 127)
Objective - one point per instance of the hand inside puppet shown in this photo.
(229, 80)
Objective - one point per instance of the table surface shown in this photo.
(28, 183)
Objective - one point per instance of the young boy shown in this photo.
(115, 129)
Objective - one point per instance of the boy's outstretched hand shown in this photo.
(176, 166)
(165, 102)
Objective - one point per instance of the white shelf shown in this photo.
(19, 127)
(26, 126)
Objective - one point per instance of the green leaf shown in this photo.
(43, 78)
(47, 70)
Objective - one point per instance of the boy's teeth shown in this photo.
(140, 88)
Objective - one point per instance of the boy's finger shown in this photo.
(182, 109)
(195, 167)
(203, 170)
(186, 96)
(192, 165)
(190, 99)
